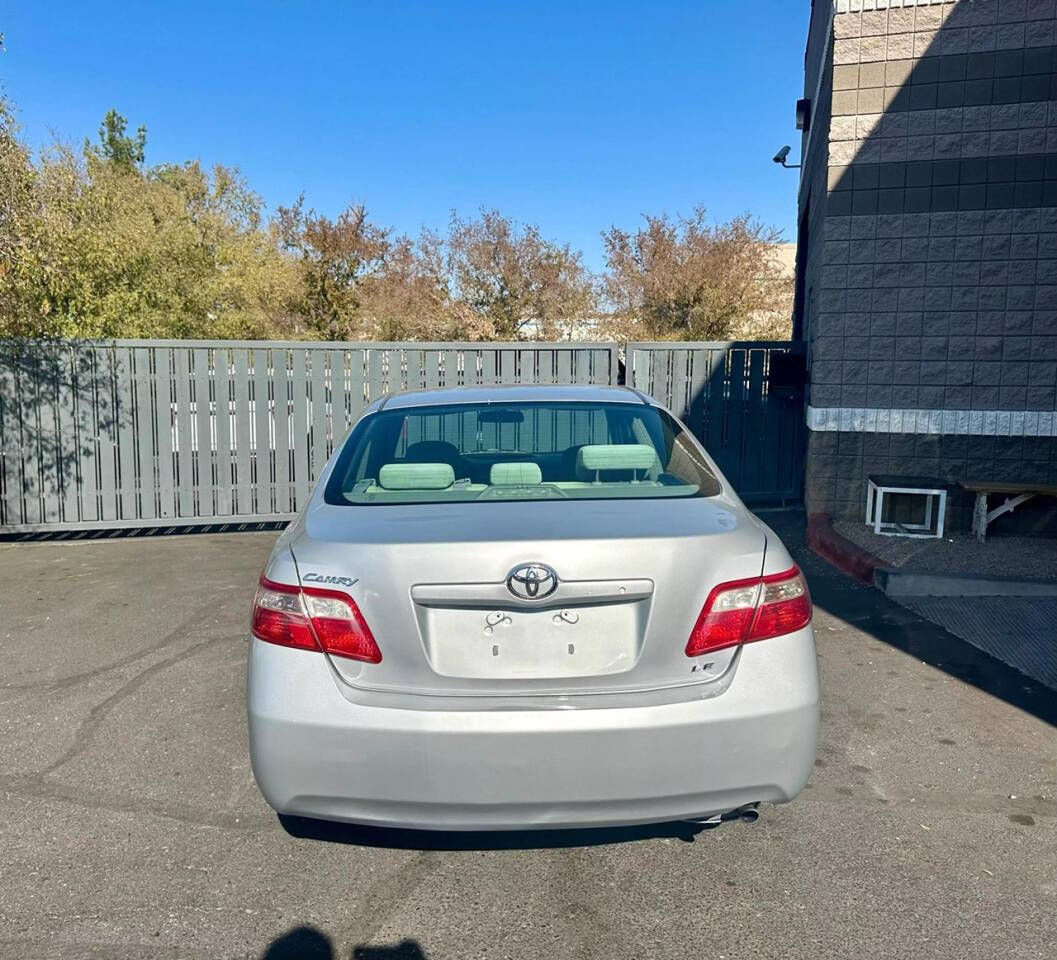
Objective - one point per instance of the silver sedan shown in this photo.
(516, 607)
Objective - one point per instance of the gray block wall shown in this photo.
(930, 289)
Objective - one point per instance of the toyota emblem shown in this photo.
(532, 581)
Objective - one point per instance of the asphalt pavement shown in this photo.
(130, 825)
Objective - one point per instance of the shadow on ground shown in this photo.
(308, 943)
(872, 612)
(448, 840)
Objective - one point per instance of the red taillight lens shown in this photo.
(279, 617)
(785, 606)
(742, 611)
(313, 619)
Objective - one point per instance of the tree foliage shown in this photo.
(523, 285)
(93, 246)
(98, 243)
(685, 279)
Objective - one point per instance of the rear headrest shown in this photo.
(615, 456)
(416, 476)
(515, 474)
(432, 451)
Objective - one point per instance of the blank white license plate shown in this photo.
(534, 644)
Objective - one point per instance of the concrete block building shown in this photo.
(927, 258)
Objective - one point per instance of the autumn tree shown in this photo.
(411, 297)
(524, 286)
(686, 279)
(338, 258)
(96, 242)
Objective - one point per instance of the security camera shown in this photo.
(780, 156)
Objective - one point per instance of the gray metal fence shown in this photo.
(744, 401)
(161, 433)
(165, 433)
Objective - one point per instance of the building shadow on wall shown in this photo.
(939, 287)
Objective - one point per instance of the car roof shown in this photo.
(513, 393)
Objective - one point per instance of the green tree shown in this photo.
(88, 250)
(115, 146)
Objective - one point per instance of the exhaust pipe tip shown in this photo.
(749, 813)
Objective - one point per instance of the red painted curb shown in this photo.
(839, 550)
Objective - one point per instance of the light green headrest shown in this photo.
(615, 456)
(514, 474)
(416, 476)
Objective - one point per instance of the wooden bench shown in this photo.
(1016, 494)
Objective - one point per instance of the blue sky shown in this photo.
(571, 115)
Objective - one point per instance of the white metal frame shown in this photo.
(875, 495)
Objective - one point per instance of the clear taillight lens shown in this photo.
(312, 619)
(742, 611)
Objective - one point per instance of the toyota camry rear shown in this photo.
(528, 607)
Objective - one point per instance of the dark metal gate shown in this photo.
(744, 401)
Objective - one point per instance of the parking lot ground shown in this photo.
(130, 825)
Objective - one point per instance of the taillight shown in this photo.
(312, 619)
(742, 611)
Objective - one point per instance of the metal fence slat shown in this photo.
(66, 416)
(432, 369)
(302, 467)
(318, 414)
(146, 472)
(698, 385)
(263, 481)
(281, 421)
(48, 434)
(374, 374)
(759, 454)
(88, 459)
(10, 439)
(451, 367)
(184, 435)
(337, 398)
(680, 406)
(735, 418)
(164, 424)
(204, 434)
(243, 439)
(28, 391)
(356, 398)
(225, 481)
(107, 416)
(124, 429)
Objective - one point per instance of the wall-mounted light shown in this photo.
(803, 115)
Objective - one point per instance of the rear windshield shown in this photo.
(518, 451)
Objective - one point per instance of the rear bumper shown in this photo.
(316, 754)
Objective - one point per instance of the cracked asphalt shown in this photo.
(130, 825)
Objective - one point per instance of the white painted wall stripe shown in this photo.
(988, 423)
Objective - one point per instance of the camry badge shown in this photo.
(532, 581)
(324, 578)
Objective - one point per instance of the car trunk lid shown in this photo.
(439, 587)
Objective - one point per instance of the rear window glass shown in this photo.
(518, 451)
